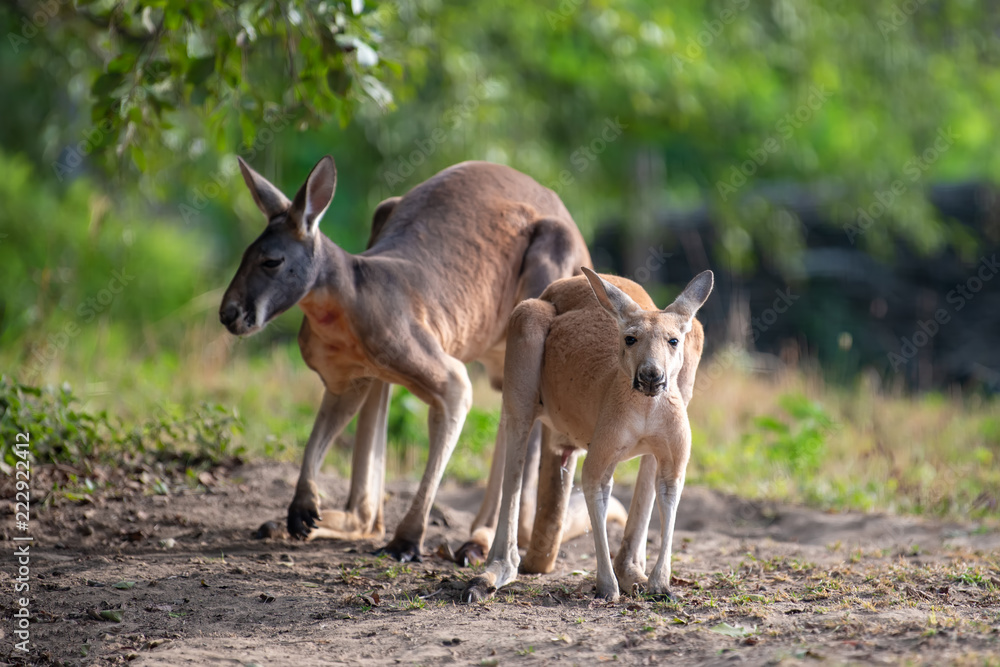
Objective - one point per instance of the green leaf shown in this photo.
(113, 615)
(771, 424)
(173, 19)
(200, 69)
(338, 81)
(122, 63)
(106, 84)
(125, 585)
(197, 45)
(249, 129)
(366, 55)
(732, 631)
(138, 157)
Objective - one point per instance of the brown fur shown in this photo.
(612, 376)
(445, 266)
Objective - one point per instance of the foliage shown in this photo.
(846, 448)
(700, 88)
(151, 73)
(408, 439)
(63, 432)
(799, 445)
(76, 262)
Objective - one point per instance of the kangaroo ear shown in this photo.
(268, 198)
(693, 296)
(314, 197)
(616, 302)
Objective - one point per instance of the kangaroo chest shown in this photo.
(329, 344)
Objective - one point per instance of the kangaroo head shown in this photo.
(652, 341)
(280, 267)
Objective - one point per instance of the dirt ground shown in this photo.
(757, 584)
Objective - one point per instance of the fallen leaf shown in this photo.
(125, 585)
(731, 630)
(112, 615)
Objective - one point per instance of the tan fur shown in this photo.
(445, 266)
(606, 373)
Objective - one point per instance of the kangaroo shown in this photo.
(445, 266)
(612, 376)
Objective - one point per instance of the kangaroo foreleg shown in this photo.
(630, 562)
(335, 413)
(362, 518)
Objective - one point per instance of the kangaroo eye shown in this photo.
(272, 263)
(673, 342)
(630, 340)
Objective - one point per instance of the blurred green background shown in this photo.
(774, 130)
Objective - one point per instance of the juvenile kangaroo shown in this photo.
(445, 266)
(612, 375)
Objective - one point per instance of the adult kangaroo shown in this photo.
(445, 266)
(612, 375)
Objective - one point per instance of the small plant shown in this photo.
(63, 432)
(350, 575)
(396, 570)
(800, 444)
(414, 602)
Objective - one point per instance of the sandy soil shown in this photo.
(794, 585)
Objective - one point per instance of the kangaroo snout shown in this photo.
(650, 380)
(229, 314)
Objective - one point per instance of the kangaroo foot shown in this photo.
(470, 553)
(303, 513)
(479, 588)
(664, 596)
(403, 550)
(607, 592)
(270, 530)
(631, 580)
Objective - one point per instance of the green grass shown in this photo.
(788, 438)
